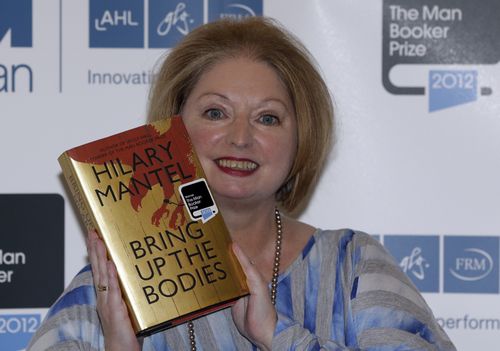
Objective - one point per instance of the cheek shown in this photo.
(282, 151)
(290, 152)
(203, 139)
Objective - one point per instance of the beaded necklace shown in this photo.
(274, 280)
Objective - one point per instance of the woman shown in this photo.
(260, 118)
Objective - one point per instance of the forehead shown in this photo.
(241, 74)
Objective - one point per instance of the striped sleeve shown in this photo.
(72, 322)
(354, 297)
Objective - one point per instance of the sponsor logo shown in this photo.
(16, 19)
(415, 264)
(422, 33)
(234, 9)
(418, 257)
(121, 23)
(32, 251)
(16, 330)
(116, 23)
(16, 24)
(170, 21)
(471, 264)
(152, 24)
(475, 265)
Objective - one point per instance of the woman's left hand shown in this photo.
(254, 315)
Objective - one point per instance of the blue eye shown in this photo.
(214, 114)
(269, 120)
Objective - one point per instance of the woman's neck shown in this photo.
(252, 227)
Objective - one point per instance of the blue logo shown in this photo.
(16, 17)
(16, 330)
(451, 88)
(121, 24)
(418, 257)
(116, 24)
(471, 264)
(233, 9)
(170, 21)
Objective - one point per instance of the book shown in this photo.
(145, 193)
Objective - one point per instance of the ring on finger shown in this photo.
(102, 287)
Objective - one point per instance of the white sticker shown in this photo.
(198, 200)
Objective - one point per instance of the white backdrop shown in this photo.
(397, 168)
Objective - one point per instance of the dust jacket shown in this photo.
(145, 193)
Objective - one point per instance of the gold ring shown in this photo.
(102, 287)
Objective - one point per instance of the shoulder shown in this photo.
(79, 292)
(72, 319)
(343, 251)
(361, 252)
(348, 240)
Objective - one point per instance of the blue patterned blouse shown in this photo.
(344, 292)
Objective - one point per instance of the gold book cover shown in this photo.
(145, 193)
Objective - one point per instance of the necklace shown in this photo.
(274, 279)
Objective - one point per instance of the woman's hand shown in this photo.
(112, 310)
(254, 315)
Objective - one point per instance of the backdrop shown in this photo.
(416, 85)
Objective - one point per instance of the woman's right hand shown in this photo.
(112, 310)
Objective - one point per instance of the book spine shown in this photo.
(77, 192)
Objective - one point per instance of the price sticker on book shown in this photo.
(198, 200)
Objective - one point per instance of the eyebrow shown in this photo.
(216, 94)
(224, 97)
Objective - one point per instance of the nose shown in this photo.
(240, 133)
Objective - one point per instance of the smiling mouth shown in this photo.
(237, 165)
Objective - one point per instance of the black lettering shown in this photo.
(207, 249)
(171, 174)
(166, 148)
(222, 272)
(120, 166)
(105, 171)
(114, 168)
(189, 284)
(176, 255)
(159, 262)
(194, 234)
(183, 175)
(155, 173)
(208, 274)
(199, 277)
(180, 237)
(137, 161)
(149, 276)
(109, 190)
(151, 242)
(151, 154)
(137, 249)
(150, 294)
(147, 184)
(123, 189)
(164, 289)
(195, 253)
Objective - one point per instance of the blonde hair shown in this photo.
(261, 39)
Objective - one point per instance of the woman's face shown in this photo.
(242, 123)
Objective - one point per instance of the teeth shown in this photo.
(238, 165)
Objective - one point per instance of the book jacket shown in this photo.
(145, 193)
